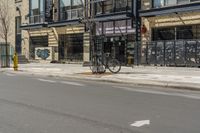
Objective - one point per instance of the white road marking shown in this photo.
(62, 82)
(45, 80)
(140, 123)
(9, 74)
(190, 96)
(72, 83)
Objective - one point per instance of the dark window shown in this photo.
(176, 33)
(163, 34)
(71, 47)
(184, 32)
(110, 6)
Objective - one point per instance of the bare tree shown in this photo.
(5, 24)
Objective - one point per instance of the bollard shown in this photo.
(15, 62)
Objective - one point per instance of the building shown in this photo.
(116, 27)
(7, 28)
(52, 31)
(170, 32)
(58, 29)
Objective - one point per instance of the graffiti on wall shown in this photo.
(43, 53)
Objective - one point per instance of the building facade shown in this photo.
(116, 27)
(61, 27)
(53, 31)
(7, 28)
(170, 32)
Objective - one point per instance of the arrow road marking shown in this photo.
(140, 123)
(191, 96)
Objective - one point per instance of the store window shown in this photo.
(185, 32)
(176, 33)
(71, 47)
(163, 34)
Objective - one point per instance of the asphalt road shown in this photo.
(31, 104)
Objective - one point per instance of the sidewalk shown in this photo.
(177, 77)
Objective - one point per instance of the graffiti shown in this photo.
(179, 53)
(43, 54)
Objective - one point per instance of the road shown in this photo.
(33, 104)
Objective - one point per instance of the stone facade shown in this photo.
(167, 20)
(53, 31)
(23, 11)
(10, 13)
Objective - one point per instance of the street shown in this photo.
(39, 104)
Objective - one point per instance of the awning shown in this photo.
(64, 23)
(171, 9)
(50, 24)
(113, 16)
(32, 26)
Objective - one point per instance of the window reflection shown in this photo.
(162, 3)
(70, 9)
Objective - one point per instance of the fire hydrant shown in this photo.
(15, 62)
(130, 60)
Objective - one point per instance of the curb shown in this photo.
(152, 83)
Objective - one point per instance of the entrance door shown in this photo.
(117, 49)
(71, 47)
(37, 41)
(121, 55)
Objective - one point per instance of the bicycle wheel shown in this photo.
(114, 66)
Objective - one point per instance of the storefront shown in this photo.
(118, 38)
(71, 47)
(37, 42)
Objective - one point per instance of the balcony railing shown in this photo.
(37, 19)
(71, 14)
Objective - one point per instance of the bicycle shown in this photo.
(99, 64)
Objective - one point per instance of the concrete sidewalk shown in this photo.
(176, 77)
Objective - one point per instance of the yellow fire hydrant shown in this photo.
(130, 60)
(15, 62)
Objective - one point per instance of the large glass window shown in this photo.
(71, 47)
(171, 2)
(120, 5)
(176, 33)
(163, 34)
(162, 3)
(70, 9)
(34, 7)
(37, 11)
(110, 6)
(184, 32)
(158, 3)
